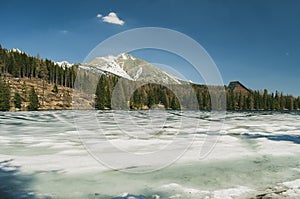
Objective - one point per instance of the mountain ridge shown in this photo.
(54, 85)
(132, 68)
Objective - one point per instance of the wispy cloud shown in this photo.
(112, 18)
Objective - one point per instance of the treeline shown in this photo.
(16, 64)
(118, 93)
(115, 93)
(19, 65)
(257, 100)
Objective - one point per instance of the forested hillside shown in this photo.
(32, 83)
(19, 64)
(151, 95)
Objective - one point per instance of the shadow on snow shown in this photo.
(291, 138)
(13, 184)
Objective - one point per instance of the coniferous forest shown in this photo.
(18, 65)
(15, 64)
(150, 95)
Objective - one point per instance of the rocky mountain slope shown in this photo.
(131, 68)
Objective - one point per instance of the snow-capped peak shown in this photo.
(16, 50)
(64, 64)
(126, 56)
(109, 64)
(126, 66)
(109, 58)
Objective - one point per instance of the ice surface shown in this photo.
(56, 154)
(231, 193)
(292, 184)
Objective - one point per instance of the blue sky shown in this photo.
(256, 42)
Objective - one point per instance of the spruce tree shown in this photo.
(33, 101)
(265, 100)
(151, 100)
(4, 96)
(55, 89)
(100, 99)
(250, 101)
(18, 101)
(175, 105)
(164, 99)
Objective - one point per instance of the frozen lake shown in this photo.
(149, 154)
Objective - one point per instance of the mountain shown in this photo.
(54, 84)
(131, 68)
(64, 64)
(236, 87)
(16, 50)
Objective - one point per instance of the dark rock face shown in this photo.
(237, 87)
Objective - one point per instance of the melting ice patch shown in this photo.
(291, 138)
(257, 150)
(129, 196)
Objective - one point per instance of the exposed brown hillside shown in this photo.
(48, 99)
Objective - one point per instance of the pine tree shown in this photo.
(164, 99)
(244, 103)
(290, 103)
(282, 100)
(136, 101)
(175, 103)
(272, 104)
(231, 101)
(250, 101)
(33, 101)
(296, 103)
(151, 100)
(240, 101)
(277, 101)
(4, 96)
(18, 101)
(55, 89)
(101, 94)
(265, 100)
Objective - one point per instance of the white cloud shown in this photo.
(112, 18)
